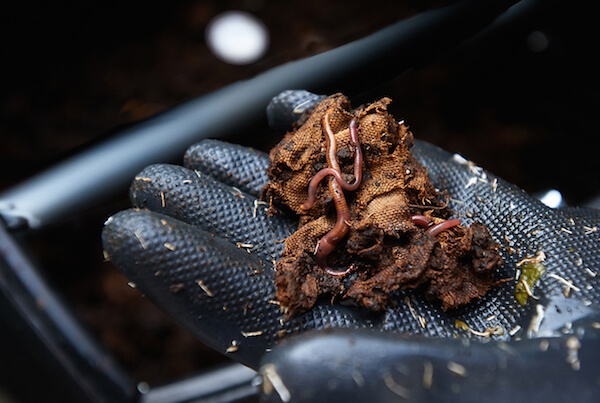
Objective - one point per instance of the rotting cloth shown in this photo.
(384, 249)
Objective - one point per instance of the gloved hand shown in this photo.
(200, 244)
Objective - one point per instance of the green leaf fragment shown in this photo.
(531, 274)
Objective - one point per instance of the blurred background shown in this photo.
(522, 104)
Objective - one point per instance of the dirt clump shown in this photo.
(376, 224)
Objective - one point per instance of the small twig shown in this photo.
(420, 206)
(540, 257)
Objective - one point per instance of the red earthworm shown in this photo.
(332, 170)
(421, 221)
(331, 147)
(340, 229)
(314, 182)
(443, 226)
(326, 244)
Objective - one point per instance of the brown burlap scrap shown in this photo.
(385, 249)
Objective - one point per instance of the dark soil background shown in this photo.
(76, 73)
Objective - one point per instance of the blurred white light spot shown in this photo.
(143, 387)
(537, 41)
(552, 198)
(237, 37)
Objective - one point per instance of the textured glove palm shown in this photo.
(200, 244)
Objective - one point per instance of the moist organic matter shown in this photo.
(370, 221)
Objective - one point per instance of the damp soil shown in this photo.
(389, 244)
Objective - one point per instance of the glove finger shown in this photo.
(231, 164)
(367, 366)
(225, 211)
(192, 275)
(287, 109)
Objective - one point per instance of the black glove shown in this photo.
(200, 245)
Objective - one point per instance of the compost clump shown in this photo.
(370, 221)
